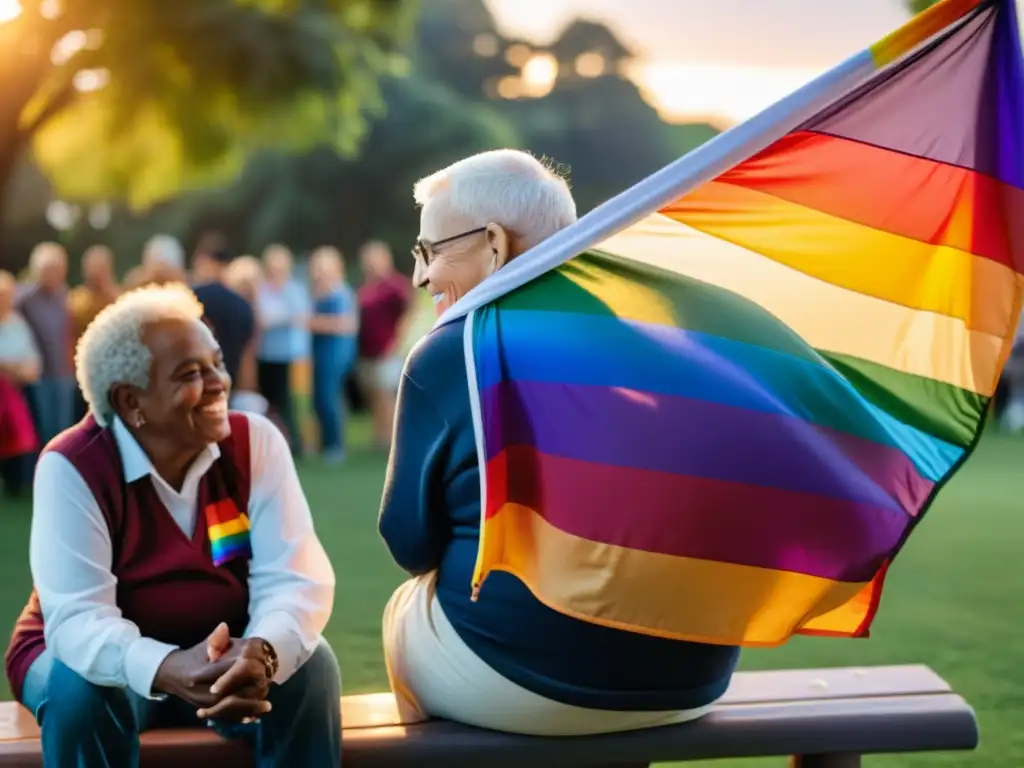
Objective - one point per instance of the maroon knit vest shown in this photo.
(166, 583)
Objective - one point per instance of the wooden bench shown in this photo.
(825, 718)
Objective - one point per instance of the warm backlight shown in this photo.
(9, 10)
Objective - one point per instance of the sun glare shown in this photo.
(539, 74)
(9, 10)
(719, 94)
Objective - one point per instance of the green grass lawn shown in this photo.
(953, 599)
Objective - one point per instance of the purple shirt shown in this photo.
(47, 316)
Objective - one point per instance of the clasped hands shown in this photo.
(225, 678)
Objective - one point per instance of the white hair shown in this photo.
(44, 254)
(506, 187)
(111, 350)
(164, 250)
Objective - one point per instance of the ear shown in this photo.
(125, 399)
(500, 245)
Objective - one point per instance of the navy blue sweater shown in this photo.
(430, 519)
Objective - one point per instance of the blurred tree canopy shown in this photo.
(916, 6)
(468, 88)
(138, 100)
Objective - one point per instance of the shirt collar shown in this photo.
(137, 464)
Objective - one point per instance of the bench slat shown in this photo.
(896, 724)
(880, 709)
(835, 683)
(376, 709)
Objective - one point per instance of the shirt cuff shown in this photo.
(141, 662)
(282, 631)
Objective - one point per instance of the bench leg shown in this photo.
(840, 760)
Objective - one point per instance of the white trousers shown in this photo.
(433, 673)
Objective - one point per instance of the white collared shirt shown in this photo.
(291, 582)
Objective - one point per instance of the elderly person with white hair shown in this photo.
(176, 569)
(507, 662)
(163, 261)
(44, 305)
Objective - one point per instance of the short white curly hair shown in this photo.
(504, 186)
(111, 350)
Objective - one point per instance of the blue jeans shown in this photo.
(53, 406)
(91, 726)
(329, 374)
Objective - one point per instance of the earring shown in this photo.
(139, 419)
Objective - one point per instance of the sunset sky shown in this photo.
(718, 59)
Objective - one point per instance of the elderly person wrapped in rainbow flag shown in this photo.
(707, 415)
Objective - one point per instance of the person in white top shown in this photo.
(178, 576)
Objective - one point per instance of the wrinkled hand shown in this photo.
(179, 674)
(191, 674)
(243, 682)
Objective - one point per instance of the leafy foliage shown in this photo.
(321, 196)
(597, 128)
(188, 88)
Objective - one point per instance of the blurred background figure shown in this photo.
(163, 261)
(98, 289)
(244, 275)
(384, 299)
(44, 305)
(228, 313)
(334, 324)
(1011, 412)
(282, 311)
(19, 366)
(417, 322)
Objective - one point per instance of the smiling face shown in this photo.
(465, 253)
(186, 402)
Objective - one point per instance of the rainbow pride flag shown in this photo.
(722, 421)
(228, 529)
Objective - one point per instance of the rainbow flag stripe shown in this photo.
(722, 422)
(228, 530)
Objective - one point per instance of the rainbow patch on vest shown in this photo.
(229, 531)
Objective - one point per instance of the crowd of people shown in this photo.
(267, 319)
(176, 569)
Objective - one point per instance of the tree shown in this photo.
(592, 121)
(138, 100)
(320, 197)
(916, 6)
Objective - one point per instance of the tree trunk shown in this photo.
(10, 260)
(26, 44)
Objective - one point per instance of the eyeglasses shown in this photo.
(424, 249)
